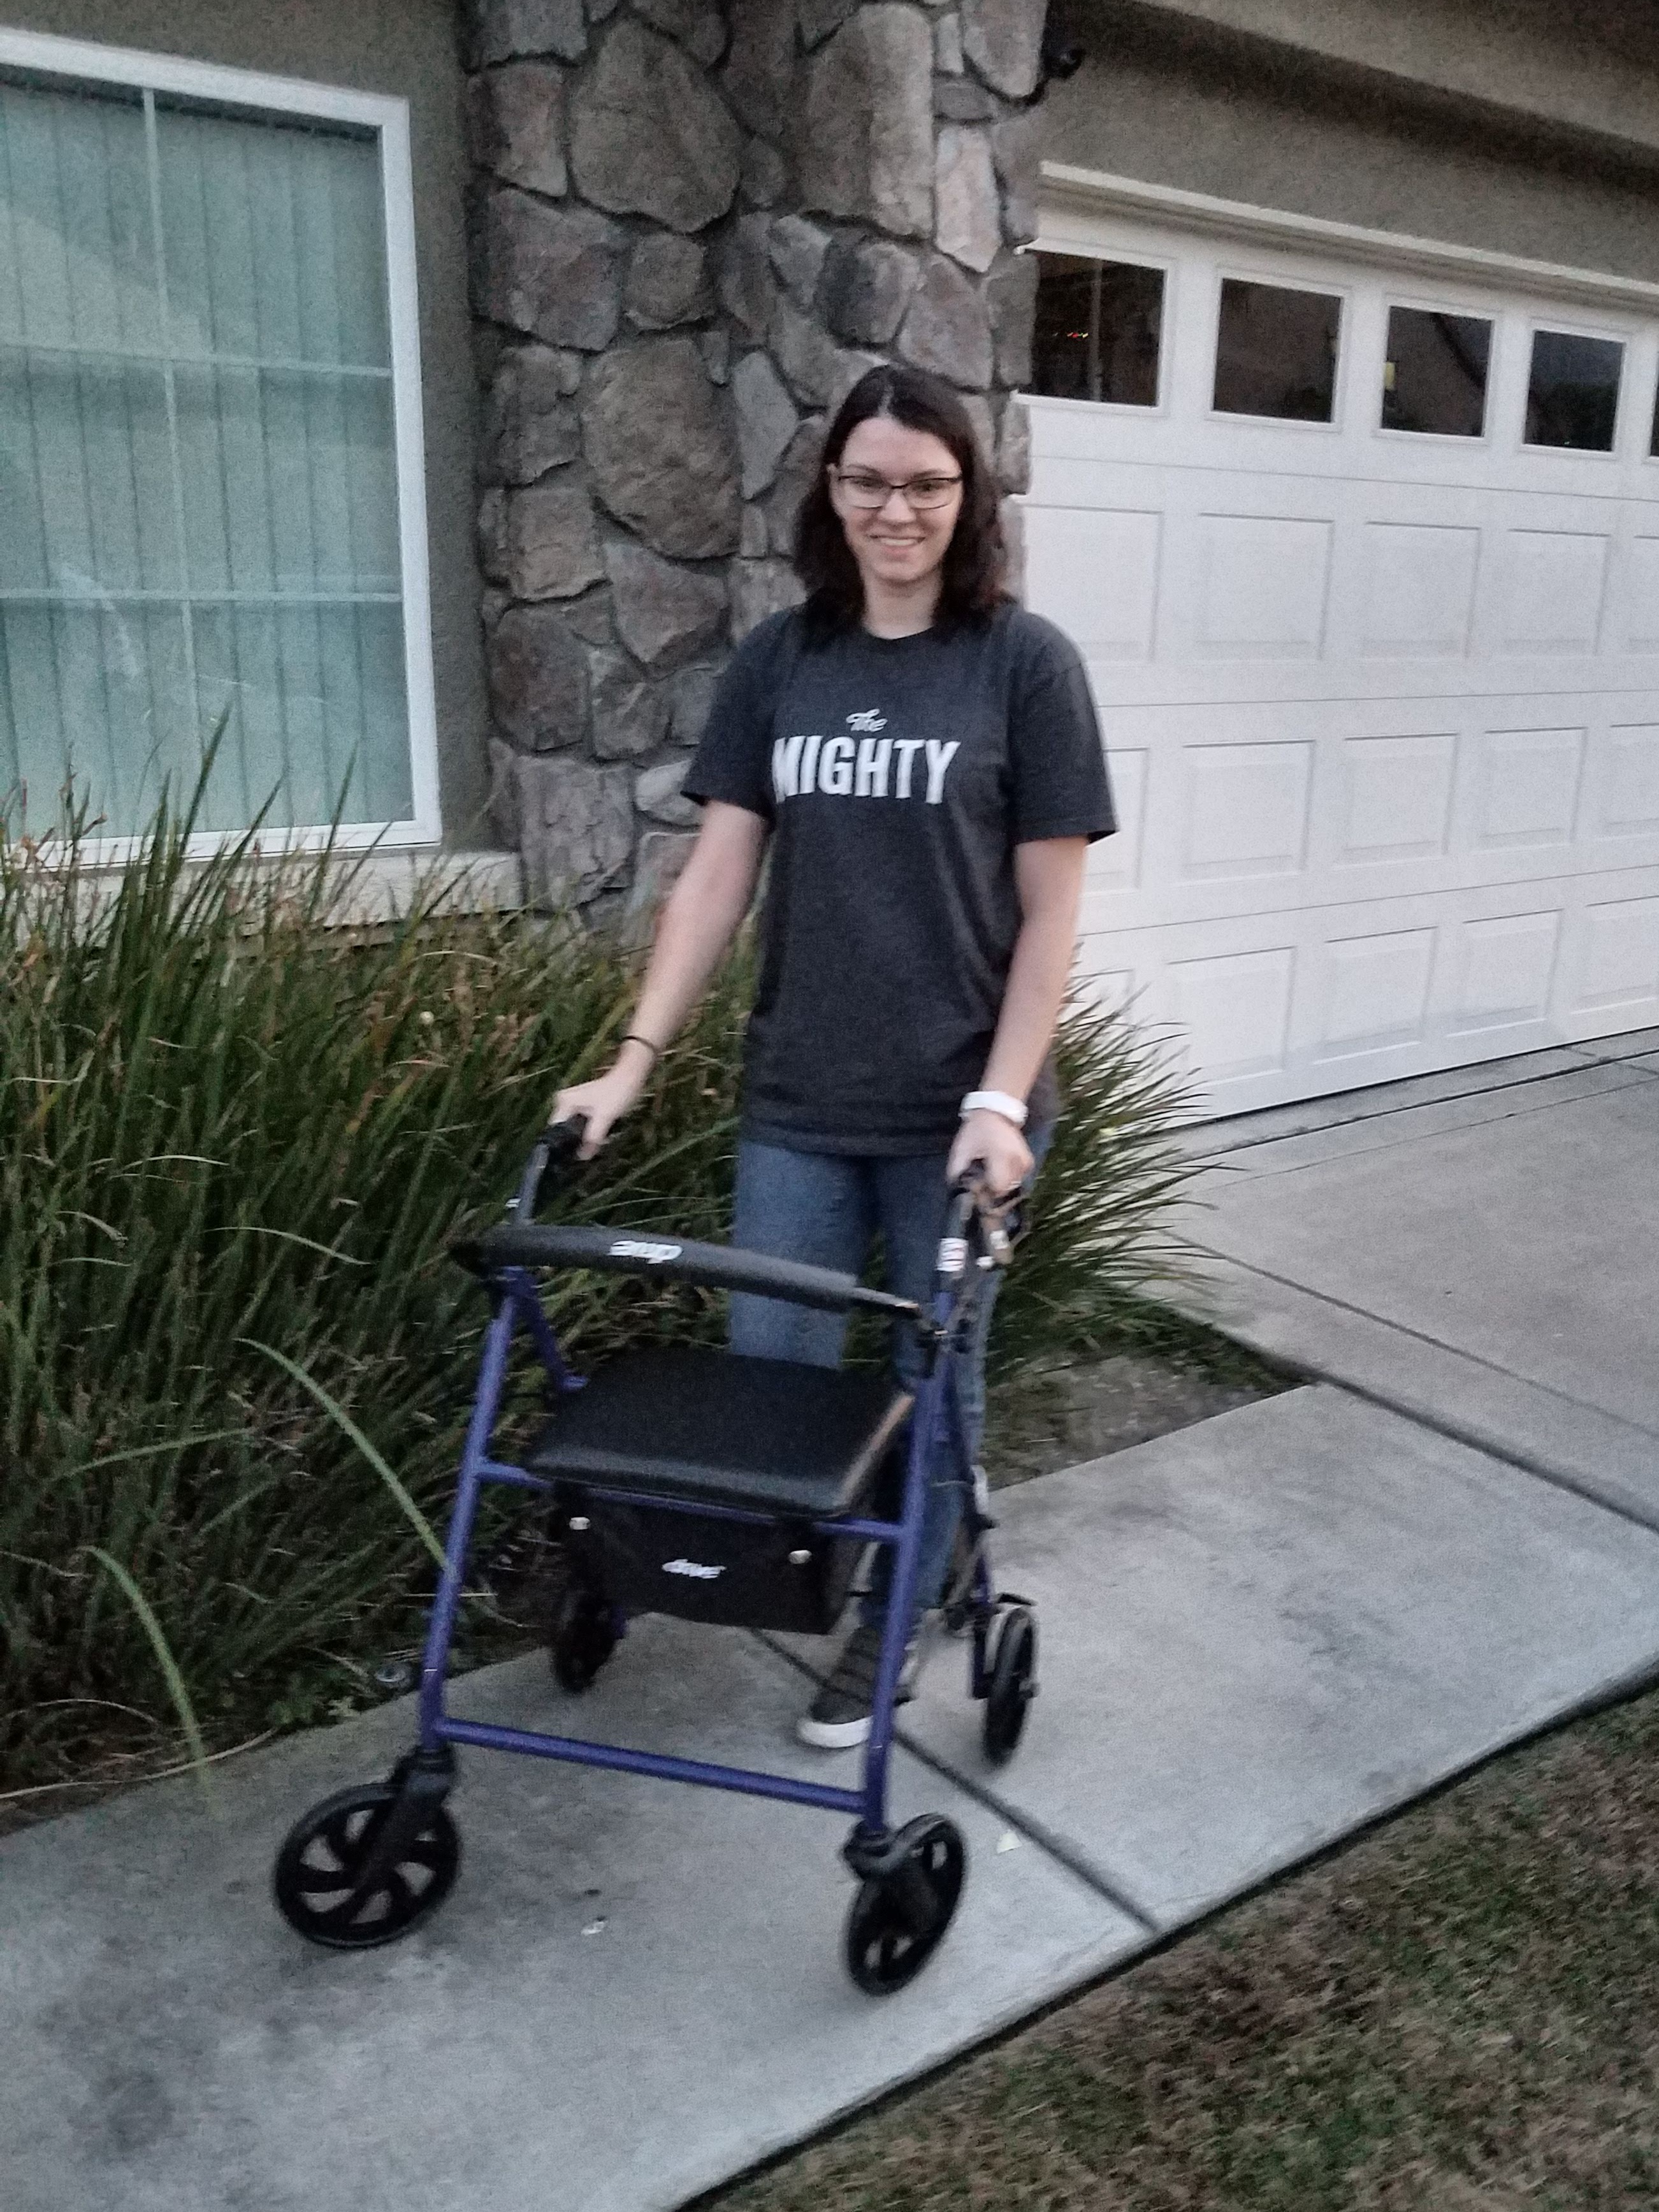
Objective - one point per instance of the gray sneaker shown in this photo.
(839, 1717)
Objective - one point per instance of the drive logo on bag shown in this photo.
(642, 1248)
(693, 1568)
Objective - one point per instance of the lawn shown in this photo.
(1459, 2013)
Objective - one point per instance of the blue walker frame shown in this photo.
(424, 1776)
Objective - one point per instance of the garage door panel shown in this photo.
(1349, 802)
(1621, 791)
(1372, 993)
(1262, 584)
(1394, 801)
(1549, 586)
(1095, 571)
(1382, 702)
(1639, 630)
(1501, 974)
(1309, 1000)
(1613, 968)
(1417, 588)
(1244, 810)
(1115, 864)
(1520, 793)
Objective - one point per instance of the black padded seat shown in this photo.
(678, 1421)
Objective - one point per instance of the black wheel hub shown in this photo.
(367, 1865)
(900, 1915)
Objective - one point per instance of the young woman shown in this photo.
(922, 758)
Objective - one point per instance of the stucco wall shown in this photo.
(1486, 122)
(408, 48)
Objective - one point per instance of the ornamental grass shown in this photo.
(236, 1136)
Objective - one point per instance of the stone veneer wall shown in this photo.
(694, 227)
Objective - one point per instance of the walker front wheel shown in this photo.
(327, 1888)
(899, 1918)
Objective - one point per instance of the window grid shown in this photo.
(81, 679)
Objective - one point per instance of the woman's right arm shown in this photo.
(699, 920)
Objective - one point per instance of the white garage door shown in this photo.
(1364, 556)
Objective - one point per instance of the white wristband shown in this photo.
(994, 1101)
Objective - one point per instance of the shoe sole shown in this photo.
(833, 1736)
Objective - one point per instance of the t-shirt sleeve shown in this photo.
(733, 759)
(1059, 763)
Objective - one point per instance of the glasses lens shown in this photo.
(865, 490)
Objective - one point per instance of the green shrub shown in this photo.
(225, 1127)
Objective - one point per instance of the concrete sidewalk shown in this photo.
(1257, 1634)
(1479, 1249)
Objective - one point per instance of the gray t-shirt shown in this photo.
(897, 774)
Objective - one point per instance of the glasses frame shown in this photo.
(904, 487)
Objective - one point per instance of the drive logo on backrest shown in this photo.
(642, 1248)
(694, 1567)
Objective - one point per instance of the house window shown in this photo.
(1434, 379)
(1572, 393)
(1276, 351)
(201, 400)
(1098, 326)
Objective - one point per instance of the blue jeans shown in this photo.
(827, 1209)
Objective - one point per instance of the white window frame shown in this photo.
(387, 116)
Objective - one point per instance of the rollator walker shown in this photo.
(714, 1487)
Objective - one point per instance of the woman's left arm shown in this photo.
(1048, 880)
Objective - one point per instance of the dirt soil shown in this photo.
(1065, 1415)
(1456, 2014)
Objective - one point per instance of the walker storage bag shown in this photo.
(763, 1449)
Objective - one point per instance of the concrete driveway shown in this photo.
(1479, 1249)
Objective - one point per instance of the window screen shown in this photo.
(196, 454)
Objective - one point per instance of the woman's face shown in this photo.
(896, 544)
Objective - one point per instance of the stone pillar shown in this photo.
(694, 227)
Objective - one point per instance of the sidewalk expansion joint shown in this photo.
(1486, 1441)
(1076, 1864)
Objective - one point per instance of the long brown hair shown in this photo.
(971, 579)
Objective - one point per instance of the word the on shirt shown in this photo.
(862, 768)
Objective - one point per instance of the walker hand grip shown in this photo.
(556, 1146)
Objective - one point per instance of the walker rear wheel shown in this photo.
(1013, 1683)
(324, 1854)
(899, 1918)
(584, 1638)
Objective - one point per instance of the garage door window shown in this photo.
(199, 448)
(1099, 326)
(1276, 351)
(1573, 393)
(1434, 379)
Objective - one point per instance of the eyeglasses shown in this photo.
(862, 489)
